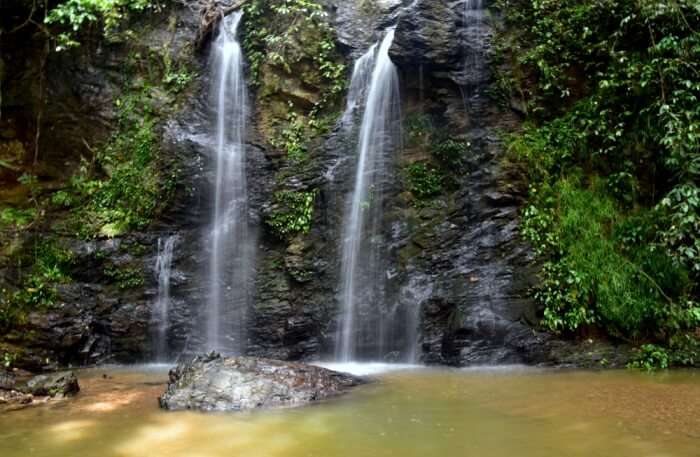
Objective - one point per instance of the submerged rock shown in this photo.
(215, 383)
(60, 384)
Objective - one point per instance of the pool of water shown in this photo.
(484, 412)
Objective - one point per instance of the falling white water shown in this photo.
(162, 306)
(231, 245)
(475, 61)
(359, 83)
(362, 273)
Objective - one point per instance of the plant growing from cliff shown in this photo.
(51, 266)
(292, 138)
(128, 199)
(73, 16)
(18, 218)
(127, 194)
(292, 213)
(424, 181)
(418, 128)
(450, 153)
(8, 359)
(125, 276)
(285, 45)
(601, 270)
(295, 38)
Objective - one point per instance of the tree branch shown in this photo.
(210, 13)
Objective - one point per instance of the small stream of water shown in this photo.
(161, 309)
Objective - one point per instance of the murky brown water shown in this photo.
(492, 413)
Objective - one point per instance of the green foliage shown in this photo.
(681, 236)
(125, 277)
(601, 269)
(424, 181)
(441, 171)
(52, 261)
(681, 351)
(37, 291)
(308, 35)
(294, 38)
(292, 137)
(450, 153)
(418, 128)
(8, 359)
(615, 99)
(128, 196)
(19, 218)
(177, 81)
(651, 357)
(292, 213)
(547, 150)
(74, 15)
(63, 198)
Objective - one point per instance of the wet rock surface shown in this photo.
(215, 383)
(62, 384)
(15, 393)
(460, 273)
(13, 399)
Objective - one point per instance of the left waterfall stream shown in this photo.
(230, 241)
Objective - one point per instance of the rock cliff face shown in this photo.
(458, 262)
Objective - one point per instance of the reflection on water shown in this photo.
(513, 412)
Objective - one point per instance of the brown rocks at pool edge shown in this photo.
(14, 395)
(61, 384)
(216, 383)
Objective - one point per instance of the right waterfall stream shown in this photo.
(362, 330)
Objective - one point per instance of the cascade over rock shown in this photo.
(455, 264)
(161, 309)
(364, 266)
(231, 244)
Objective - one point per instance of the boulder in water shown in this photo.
(60, 384)
(216, 383)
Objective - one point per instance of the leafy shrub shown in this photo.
(418, 127)
(597, 273)
(450, 153)
(292, 213)
(75, 15)
(295, 38)
(18, 217)
(651, 357)
(424, 181)
(51, 266)
(125, 277)
(681, 236)
(129, 195)
(612, 148)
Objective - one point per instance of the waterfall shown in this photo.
(362, 271)
(360, 81)
(476, 60)
(162, 306)
(230, 242)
